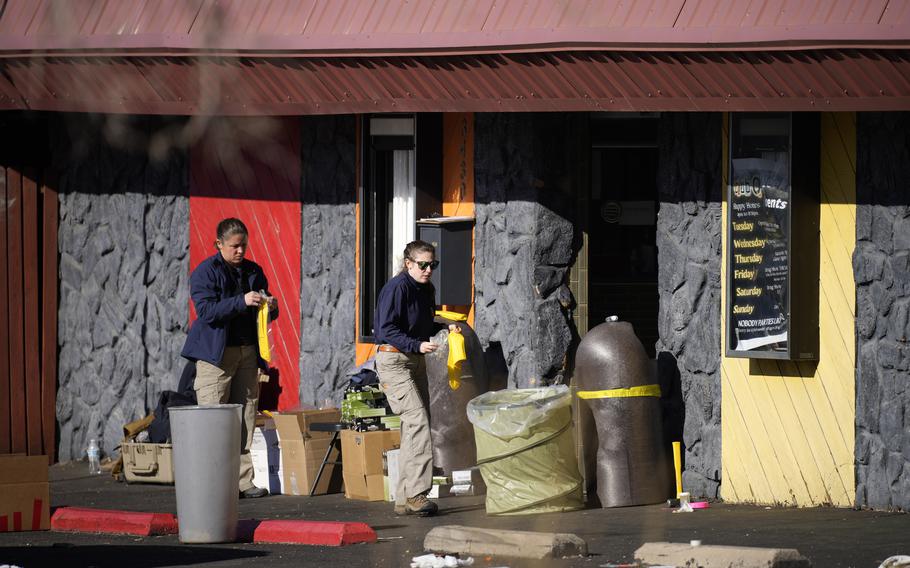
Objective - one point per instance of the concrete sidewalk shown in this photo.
(828, 537)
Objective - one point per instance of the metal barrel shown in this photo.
(206, 442)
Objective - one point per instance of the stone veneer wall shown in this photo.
(124, 265)
(881, 264)
(327, 256)
(689, 228)
(524, 239)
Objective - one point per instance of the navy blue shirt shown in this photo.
(404, 313)
(218, 304)
(242, 330)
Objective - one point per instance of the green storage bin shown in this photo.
(526, 450)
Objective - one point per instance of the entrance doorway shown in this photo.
(622, 220)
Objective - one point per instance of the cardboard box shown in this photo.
(391, 474)
(266, 454)
(147, 463)
(24, 493)
(303, 450)
(362, 451)
(301, 461)
(467, 476)
(295, 425)
(462, 482)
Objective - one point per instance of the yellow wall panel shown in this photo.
(788, 429)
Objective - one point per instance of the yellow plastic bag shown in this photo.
(457, 356)
(262, 330)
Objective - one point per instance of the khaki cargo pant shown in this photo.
(235, 381)
(403, 379)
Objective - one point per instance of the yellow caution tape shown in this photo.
(642, 390)
(457, 355)
(450, 315)
(262, 329)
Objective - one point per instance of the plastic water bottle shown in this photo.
(94, 457)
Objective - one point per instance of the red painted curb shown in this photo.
(323, 533)
(77, 519)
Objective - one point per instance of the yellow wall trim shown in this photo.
(788, 429)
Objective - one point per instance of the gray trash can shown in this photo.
(206, 442)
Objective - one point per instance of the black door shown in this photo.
(622, 255)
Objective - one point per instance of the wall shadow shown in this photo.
(672, 404)
(782, 368)
(497, 369)
(145, 147)
(270, 391)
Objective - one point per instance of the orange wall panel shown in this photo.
(458, 178)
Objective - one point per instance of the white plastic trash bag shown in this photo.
(507, 414)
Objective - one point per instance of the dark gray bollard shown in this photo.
(453, 435)
(632, 461)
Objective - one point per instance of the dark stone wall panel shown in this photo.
(689, 228)
(327, 256)
(524, 239)
(881, 265)
(123, 242)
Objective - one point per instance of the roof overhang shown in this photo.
(282, 57)
(811, 80)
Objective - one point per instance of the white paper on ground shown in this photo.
(433, 561)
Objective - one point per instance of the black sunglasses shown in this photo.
(424, 264)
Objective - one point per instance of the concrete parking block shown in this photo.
(454, 539)
(77, 519)
(321, 533)
(714, 556)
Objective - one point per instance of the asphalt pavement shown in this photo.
(829, 537)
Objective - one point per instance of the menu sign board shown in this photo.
(759, 207)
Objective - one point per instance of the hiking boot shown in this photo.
(419, 505)
(254, 493)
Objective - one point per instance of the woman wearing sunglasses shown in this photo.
(403, 326)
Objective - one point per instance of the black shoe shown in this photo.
(254, 493)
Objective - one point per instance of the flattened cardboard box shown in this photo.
(24, 493)
(295, 425)
(362, 462)
(300, 464)
(18, 468)
(302, 452)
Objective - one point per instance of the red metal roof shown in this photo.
(830, 80)
(340, 27)
(280, 57)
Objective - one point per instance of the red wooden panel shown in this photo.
(31, 293)
(250, 169)
(49, 322)
(15, 297)
(4, 329)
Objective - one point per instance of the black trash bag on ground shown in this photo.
(364, 377)
(160, 428)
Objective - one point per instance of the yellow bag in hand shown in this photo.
(262, 330)
(457, 355)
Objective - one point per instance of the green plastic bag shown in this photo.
(526, 450)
